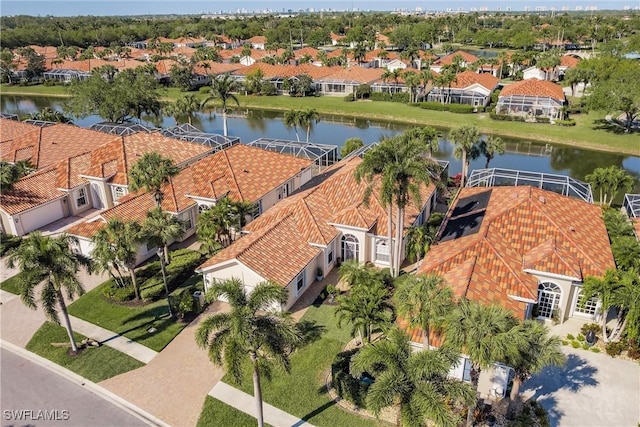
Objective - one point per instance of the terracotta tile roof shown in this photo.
(337, 52)
(448, 60)
(469, 78)
(373, 54)
(10, 130)
(357, 74)
(215, 68)
(311, 51)
(257, 39)
(87, 229)
(31, 191)
(116, 158)
(48, 52)
(306, 218)
(70, 169)
(569, 61)
(336, 37)
(51, 144)
(184, 51)
(534, 87)
(523, 228)
(287, 71)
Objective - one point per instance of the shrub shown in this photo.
(615, 348)
(565, 342)
(348, 98)
(8, 241)
(595, 349)
(585, 346)
(568, 122)
(386, 96)
(580, 337)
(346, 386)
(570, 337)
(186, 303)
(589, 327)
(183, 262)
(453, 108)
(542, 120)
(634, 349)
(575, 344)
(204, 89)
(506, 117)
(112, 290)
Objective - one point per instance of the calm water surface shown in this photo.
(250, 125)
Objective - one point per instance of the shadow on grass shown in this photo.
(612, 126)
(315, 412)
(310, 331)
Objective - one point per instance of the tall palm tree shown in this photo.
(292, 118)
(610, 290)
(115, 247)
(365, 308)
(465, 140)
(150, 172)
(417, 382)
(539, 349)
(251, 330)
(412, 80)
(426, 135)
(222, 88)
(386, 77)
(486, 334)
(424, 301)
(609, 181)
(187, 106)
(51, 262)
(490, 147)
(159, 228)
(307, 118)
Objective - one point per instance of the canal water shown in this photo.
(249, 125)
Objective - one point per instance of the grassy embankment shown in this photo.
(589, 131)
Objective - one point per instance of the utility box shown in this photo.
(198, 296)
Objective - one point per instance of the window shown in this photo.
(118, 192)
(382, 250)
(330, 253)
(257, 211)
(350, 247)
(300, 281)
(202, 208)
(548, 299)
(81, 198)
(186, 221)
(590, 307)
(284, 191)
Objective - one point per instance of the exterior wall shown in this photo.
(569, 291)
(102, 199)
(35, 218)
(533, 73)
(73, 200)
(231, 270)
(6, 223)
(309, 273)
(364, 243)
(189, 214)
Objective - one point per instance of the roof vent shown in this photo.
(572, 228)
(514, 195)
(245, 170)
(542, 199)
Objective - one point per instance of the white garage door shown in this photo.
(41, 216)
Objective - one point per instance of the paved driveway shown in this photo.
(592, 389)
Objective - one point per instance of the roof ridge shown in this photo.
(124, 160)
(497, 253)
(562, 258)
(265, 231)
(313, 218)
(173, 193)
(233, 175)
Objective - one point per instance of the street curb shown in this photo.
(89, 385)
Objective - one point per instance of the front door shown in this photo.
(548, 299)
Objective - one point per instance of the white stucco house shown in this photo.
(320, 226)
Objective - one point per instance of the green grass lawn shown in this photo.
(301, 393)
(95, 364)
(587, 133)
(12, 284)
(131, 321)
(217, 413)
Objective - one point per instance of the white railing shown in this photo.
(631, 205)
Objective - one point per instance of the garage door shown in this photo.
(41, 216)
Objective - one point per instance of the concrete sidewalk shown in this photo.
(245, 403)
(113, 340)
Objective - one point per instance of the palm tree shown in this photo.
(150, 172)
(187, 106)
(386, 77)
(539, 349)
(307, 118)
(465, 140)
(222, 88)
(160, 228)
(426, 135)
(402, 167)
(291, 118)
(365, 308)
(610, 290)
(490, 147)
(424, 301)
(51, 262)
(49, 115)
(486, 334)
(417, 382)
(412, 80)
(626, 252)
(355, 274)
(609, 181)
(251, 330)
(115, 247)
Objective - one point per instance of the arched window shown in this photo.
(202, 208)
(548, 299)
(350, 247)
(382, 250)
(590, 306)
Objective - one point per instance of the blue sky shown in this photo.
(141, 7)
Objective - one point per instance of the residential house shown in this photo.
(536, 73)
(257, 42)
(344, 81)
(566, 62)
(278, 74)
(241, 173)
(336, 39)
(466, 59)
(468, 88)
(324, 223)
(522, 247)
(532, 98)
(75, 177)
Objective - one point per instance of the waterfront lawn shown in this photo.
(217, 413)
(132, 321)
(34, 90)
(93, 363)
(302, 392)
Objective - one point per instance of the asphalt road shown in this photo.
(33, 396)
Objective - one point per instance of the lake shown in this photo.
(249, 125)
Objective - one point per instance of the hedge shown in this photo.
(506, 117)
(568, 122)
(453, 108)
(183, 262)
(346, 386)
(386, 96)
